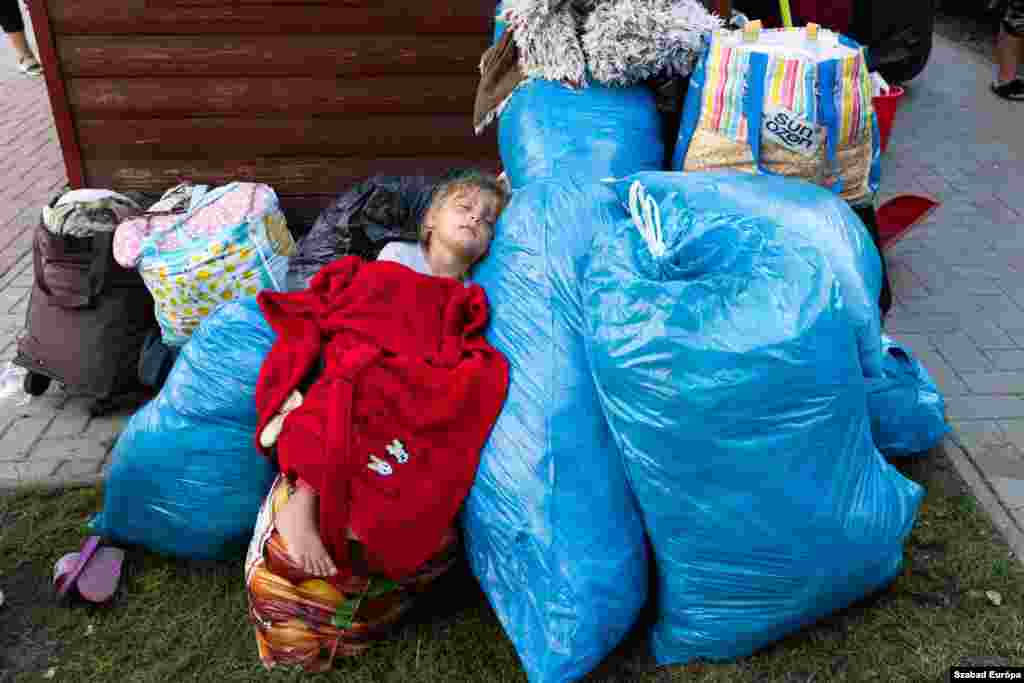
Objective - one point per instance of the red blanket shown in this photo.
(391, 432)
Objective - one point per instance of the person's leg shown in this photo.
(297, 522)
(20, 44)
(14, 26)
(1009, 52)
(1008, 55)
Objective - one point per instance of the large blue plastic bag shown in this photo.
(550, 130)
(186, 478)
(551, 530)
(908, 414)
(731, 379)
(810, 214)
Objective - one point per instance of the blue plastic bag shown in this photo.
(908, 414)
(551, 530)
(730, 374)
(186, 478)
(549, 130)
(807, 213)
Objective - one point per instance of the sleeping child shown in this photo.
(443, 317)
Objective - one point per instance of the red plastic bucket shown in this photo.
(885, 109)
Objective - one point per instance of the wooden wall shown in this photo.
(305, 95)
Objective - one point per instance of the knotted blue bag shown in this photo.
(908, 414)
(552, 532)
(730, 374)
(185, 477)
(812, 215)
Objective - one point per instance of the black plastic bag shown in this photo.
(360, 222)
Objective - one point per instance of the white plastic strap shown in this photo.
(647, 218)
(266, 264)
(198, 192)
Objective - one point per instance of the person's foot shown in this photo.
(28, 65)
(1010, 90)
(296, 521)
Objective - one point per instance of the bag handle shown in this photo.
(195, 199)
(753, 106)
(196, 194)
(827, 90)
(259, 246)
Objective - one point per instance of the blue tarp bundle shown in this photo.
(729, 365)
(186, 478)
(552, 532)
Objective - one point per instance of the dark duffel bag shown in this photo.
(87, 320)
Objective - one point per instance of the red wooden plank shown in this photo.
(52, 71)
(295, 97)
(284, 55)
(168, 17)
(211, 138)
(295, 175)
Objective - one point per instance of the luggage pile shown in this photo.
(700, 390)
(697, 358)
(109, 271)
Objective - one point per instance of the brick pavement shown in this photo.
(958, 279)
(51, 439)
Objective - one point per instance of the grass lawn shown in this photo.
(179, 621)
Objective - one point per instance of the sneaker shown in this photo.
(29, 66)
(1011, 90)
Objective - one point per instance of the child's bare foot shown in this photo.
(296, 521)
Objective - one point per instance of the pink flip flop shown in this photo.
(92, 573)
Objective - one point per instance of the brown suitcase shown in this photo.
(86, 322)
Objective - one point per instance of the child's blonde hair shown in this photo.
(455, 181)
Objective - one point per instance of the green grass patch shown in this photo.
(176, 620)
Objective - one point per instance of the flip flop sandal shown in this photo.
(92, 573)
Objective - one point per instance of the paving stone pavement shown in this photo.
(50, 439)
(958, 278)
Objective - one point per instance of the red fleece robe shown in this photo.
(406, 360)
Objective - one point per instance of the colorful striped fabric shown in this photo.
(790, 83)
(726, 74)
(853, 101)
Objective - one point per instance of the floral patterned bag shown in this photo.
(229, 242)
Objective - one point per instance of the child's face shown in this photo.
(465, 222)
